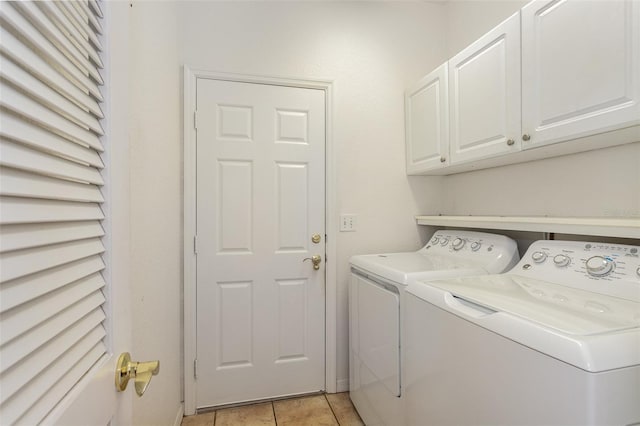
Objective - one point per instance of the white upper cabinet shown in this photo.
(560, 75)
(427, 128)
(580, 69)
(484, 90)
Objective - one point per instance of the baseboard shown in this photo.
(179, 415)
(342, 385)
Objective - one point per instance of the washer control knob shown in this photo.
(435, 240)
(475, 246)
(561, 260)
(599, 266)
(444, 241)
(458, 243)
(539, 256)
(638, 271)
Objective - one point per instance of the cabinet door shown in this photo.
(427, 128)
(484, 90)
(580, 68)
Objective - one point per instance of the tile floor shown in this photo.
(330, 409)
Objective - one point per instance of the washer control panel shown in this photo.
(612, 269)
(493, 252)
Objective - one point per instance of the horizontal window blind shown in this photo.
(51, 300)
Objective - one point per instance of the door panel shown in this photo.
(260, 198)
(580, 68)
(484, 95)
(427, 122)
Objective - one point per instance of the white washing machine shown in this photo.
(555, 341)
(376, 294)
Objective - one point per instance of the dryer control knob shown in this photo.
(539, 256)
(458, 243)
(561, 260)
(444, 241)
(638, 271)
(475, 246)
(599, 266)
(435, 240)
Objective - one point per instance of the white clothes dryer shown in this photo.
(555, 341)
(376, 294)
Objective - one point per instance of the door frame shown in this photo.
(190, 76)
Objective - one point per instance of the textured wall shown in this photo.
(156, 206)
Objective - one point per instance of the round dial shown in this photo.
(444, 241)
(539, 256)
(458, 243)
(561, 260)
(475, 246)
(599, 266)
(435, 240)
(638, 271)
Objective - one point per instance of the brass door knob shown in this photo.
(315, 259)
(141, 372)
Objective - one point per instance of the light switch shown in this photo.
(348, 222)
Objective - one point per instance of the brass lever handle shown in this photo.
(141, 372)
(315, 259)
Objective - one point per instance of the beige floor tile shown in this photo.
(205, 419)
(248, 415)
(344, 409)
(310, 410)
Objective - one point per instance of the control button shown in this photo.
(561, 260)
(475, 246)
(435, 240)
(444, 241)
(539, 256)
(634, 250)
(458, 243)
(599, 266)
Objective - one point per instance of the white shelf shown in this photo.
(622, 227)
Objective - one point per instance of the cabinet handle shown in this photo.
(510, 142)
(443, 159)
(526, 137)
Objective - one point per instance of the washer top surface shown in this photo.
(448, 254)
(577, 302)
(566, 309)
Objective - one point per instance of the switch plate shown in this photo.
(348, 222)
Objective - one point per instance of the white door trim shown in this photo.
(189, 191)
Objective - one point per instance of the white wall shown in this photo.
(371, 51)
(604, 182)
(156, 206)
(467, 20)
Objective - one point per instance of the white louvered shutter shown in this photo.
(51, 316)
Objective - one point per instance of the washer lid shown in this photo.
(403, 268)
(590, 331)
(568, 310)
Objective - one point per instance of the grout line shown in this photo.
(215, 417)
(273, 409)
(331, 408)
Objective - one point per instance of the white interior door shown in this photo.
(260, 199)
(64, 214)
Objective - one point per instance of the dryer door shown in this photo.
(379, 334)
